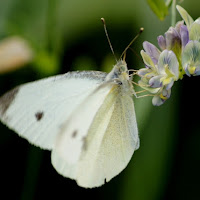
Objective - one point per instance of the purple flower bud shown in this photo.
(161, 42)
(143, 71)
(173, 39)
(166, 93)
(152, 51)
(184, 35)
(155, 82)
(157, 101)
(178, 26)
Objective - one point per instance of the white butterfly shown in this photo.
(87, 119)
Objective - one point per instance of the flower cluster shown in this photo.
(191, 52)
(179, 54)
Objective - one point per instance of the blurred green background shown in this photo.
(68, 35)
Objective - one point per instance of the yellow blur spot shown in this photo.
(162, 97)
(15, 52)
(166, 81)
(191, 70)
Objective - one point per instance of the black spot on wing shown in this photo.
(39, 115)
(74, 134)
(84, 147)
(7, 99)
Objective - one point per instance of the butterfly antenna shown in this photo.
(124, 52)
(136, 54)
(106, 32)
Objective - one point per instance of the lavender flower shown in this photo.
(191, 52)
(162, 69)
(191, 58)
(179, 55)
(175, 39)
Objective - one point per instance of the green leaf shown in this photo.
(186, 17)
(159, 8)
(168, 3)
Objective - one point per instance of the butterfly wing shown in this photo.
(37, 110)
(108, 147)
(71, 141)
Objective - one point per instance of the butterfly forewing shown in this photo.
(37, 110)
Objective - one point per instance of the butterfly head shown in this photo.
(122, 69)
(120, 75)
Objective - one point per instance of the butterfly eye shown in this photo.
(123, 68)
(118, 82)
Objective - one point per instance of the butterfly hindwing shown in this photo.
(71, 141)
(108, 147)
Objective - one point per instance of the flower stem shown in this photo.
(173, 19)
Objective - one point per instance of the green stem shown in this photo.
(173, 19)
